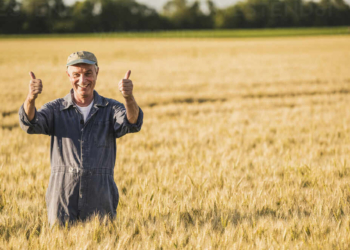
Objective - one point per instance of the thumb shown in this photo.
(32, 75)
(127, 74)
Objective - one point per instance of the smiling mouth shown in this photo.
(84, 87)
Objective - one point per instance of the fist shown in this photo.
(125, 85)
(35, 87)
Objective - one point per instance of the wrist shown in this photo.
(129, 98)
(30, 99)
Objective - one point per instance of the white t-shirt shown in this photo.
(85, 110)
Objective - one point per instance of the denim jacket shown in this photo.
(82, 155)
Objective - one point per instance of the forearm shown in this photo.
(29, 108)
(132, 109)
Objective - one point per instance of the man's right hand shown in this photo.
(35, 88)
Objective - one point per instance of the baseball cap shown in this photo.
(81, 57)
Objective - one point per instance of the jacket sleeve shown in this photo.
(42, 122)
(121, 124)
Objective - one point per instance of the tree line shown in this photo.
(53, 16)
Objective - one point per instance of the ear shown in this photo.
(67, 72)
(97, 71)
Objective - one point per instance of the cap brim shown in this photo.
(80, 61)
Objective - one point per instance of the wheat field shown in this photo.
(245, 144)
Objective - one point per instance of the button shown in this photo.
(70, 169)
(81, 196)
(81, 121)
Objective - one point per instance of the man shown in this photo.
(83, 127)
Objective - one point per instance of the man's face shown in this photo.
(83, 79)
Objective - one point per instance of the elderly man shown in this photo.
(83, 127)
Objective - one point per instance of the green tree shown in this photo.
(10, 17)
(119, 15)
(41, 16)
(81, 17)
(230, 18)
(185, 16)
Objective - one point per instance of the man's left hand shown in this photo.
(125, 85)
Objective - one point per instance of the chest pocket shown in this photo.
(103, 134)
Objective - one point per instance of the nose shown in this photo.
(82, 78)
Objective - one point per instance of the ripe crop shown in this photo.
(245, 144)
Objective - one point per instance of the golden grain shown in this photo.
(245, 144)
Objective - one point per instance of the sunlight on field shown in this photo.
(245, 144)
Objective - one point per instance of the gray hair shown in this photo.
(96, 67)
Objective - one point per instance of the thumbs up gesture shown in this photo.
(35, 87)
(125, 85)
